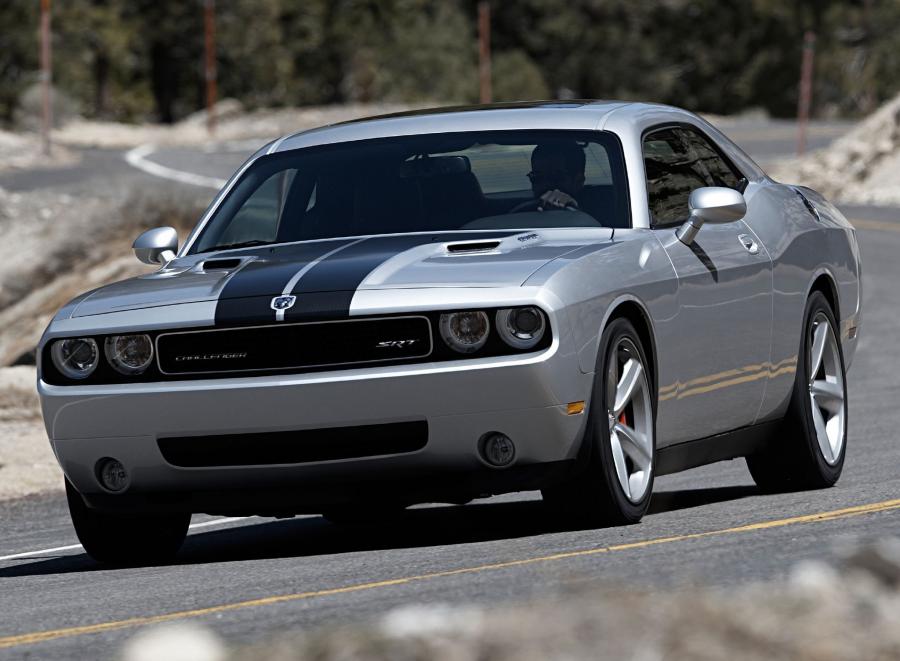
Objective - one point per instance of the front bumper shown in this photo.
(522, 397)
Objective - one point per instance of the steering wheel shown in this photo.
(553, 200)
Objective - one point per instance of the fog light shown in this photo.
(497, 449)
(113, 475)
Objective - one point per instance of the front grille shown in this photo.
(294, 346)
(294, 447)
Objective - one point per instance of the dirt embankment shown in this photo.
(61, 244)
(27, 464)
(860, 167)
(67, 245)
(57, 247)
(232, 124)
(25, 151)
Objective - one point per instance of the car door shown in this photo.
(719, 357)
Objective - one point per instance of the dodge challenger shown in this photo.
(442, 305)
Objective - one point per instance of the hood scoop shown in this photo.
(223, 264)
(472, 247)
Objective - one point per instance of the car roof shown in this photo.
(572, 115)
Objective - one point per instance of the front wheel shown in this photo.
(616, 479)
(120, 539)
(809, 453)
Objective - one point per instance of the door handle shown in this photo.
(749, 244)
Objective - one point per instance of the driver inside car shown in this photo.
(557, 177)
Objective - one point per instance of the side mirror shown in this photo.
(156, 246)
(713, 204)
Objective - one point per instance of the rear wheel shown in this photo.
(616, 480)
(809, 452)
(121, 539)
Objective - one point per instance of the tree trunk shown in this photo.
(101, 82)
(163, 82)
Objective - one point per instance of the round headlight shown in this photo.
(75, 358)
(129, 354)
(465, 332)
(521, 328)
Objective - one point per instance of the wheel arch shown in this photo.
(824, 282)
(633, 310)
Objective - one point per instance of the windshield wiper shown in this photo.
(239, 244)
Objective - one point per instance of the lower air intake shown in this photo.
(294, 447)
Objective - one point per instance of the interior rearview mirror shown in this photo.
(156, 246)
(712, 204)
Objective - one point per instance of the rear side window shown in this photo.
(677, 161)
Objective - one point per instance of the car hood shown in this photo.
(324, 275)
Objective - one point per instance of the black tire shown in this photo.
(794, 460)
(593, 495)
(119, 539)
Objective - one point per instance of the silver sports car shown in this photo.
(437, 306)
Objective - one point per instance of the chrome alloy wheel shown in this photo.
(826, 389)
(630, 420)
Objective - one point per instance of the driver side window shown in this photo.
(672, 171)
(678, 160)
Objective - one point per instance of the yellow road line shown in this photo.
(55, 634)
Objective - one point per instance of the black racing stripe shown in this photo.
(244, 311)
(316, 306)
(250, 311)
(341, 274)
(274, 267)
(247, 295)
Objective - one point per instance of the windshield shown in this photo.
(423, 183)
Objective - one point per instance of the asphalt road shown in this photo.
(249, 578)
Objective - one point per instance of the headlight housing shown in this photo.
(76, 357)
(465, 332)
(129, 354)
(521, 328)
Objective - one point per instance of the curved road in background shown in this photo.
(765, 140)
(248, 578)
